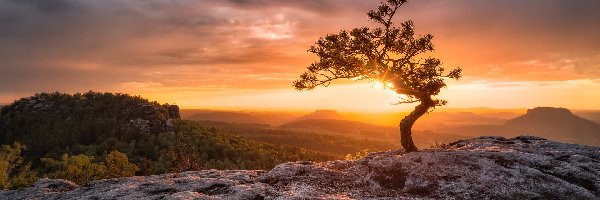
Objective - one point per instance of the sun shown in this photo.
(381, 85)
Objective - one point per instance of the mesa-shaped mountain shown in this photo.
(483, 168)
(557, 124)
(322, 114)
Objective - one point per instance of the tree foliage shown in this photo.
(335, 145)
(79, 169)
(56, 120)
(82, 168)
(14, 171)
(117, 165)
(358, 155)
(392, 55)
(89, 136)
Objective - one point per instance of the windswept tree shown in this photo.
(389, 54)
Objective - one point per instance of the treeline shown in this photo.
(90, 136)
(336, 145)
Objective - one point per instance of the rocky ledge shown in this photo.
(483, 168)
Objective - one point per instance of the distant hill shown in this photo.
(273, 118)
(558, 124)
(224, 116)
(335, 126)
(460, 123)
(322, 114)
(497, 112)
(360, 130)
(334, 144)
(276, 118)
(458, 117)
(437, 120)
(592, 115)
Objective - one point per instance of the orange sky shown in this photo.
(245, 54)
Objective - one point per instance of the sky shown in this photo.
(244, 54)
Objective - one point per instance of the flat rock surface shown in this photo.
(483, 168)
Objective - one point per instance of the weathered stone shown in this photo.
(482, 168)
(173, 111)
(142, 124)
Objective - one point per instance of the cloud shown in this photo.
(136, 85)
(476, 34)
(82, 44)
(588, 65)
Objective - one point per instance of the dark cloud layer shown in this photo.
(76, 45)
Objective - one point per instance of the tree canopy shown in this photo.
(392, 55)
(83, 137)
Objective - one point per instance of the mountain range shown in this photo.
(554, 123)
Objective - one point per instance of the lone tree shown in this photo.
(388, 54)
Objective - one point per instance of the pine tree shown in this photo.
(389, 54)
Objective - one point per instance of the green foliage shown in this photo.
(55, 121)
(79, 169)
(82, 168)
(335, 145)
(84, 137)
(198, 146)
(117, 165)
(358, 155)
(14, 172)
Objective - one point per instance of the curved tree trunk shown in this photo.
(408, 121)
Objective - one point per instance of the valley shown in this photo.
(437, 127)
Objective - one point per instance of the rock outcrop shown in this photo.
(159, 116)
(524, 167)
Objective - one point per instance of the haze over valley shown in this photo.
(442, 126)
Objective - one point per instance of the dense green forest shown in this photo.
(89, 136)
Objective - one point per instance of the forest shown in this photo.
(90, 136)
(337, 145)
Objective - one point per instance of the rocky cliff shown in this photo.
(483, 168)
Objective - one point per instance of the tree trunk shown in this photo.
(408, 121)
